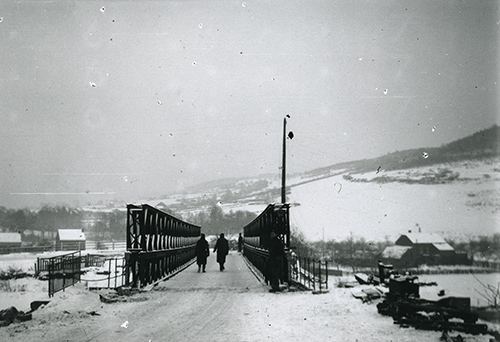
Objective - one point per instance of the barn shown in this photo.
(70, 240)
(9, 242)
(414, 249)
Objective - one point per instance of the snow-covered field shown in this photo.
(22, 261)
(466, 170)
(338, 208)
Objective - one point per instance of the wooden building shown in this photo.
(70, 240)
(414, 249)
(10, 242)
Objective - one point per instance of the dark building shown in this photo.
(414, 249)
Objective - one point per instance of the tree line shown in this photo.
(42, 224)
(360, 252)
(46, 219)
(215, 221)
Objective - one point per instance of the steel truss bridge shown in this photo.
(158, 244)
(295, 269)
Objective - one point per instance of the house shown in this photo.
(9, 242)
(414, 249)
(70, 240)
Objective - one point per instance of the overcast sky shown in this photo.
(121, 99)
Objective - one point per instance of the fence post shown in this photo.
(314, 274)
(124, 264)
(109, 273)
(319, 275)
(51, 277)
(326, 268)
(63, 275)
(309, 271)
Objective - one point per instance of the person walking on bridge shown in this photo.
(222, 249)
(202, 252)
(240, 243)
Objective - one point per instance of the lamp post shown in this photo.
(283, 168)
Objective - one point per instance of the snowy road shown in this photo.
(213, 306)
(192, 306)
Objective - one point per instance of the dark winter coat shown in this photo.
(202, 252)
(275, 262)
(240, 243)
(276, 247)
(222, 249)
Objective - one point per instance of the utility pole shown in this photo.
(283, 168)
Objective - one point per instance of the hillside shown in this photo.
(483, 144)
(480, 145)
(452, 189)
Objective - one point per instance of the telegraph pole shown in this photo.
(283, 168)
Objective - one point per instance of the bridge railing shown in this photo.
(259, 258)
(310, 273)
(63, 271)
(157, 244)
(110, 274)
(257, 235)
(42, 263)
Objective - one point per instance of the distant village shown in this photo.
(409, 250)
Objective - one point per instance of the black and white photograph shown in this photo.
(257, 170)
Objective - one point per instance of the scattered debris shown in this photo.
(367, 295)
(11, 315)
(124, 325)
(37, 304)
(13, 273)
(347, 283)
(427, 283)
(121, 295)
(404, 305)
(363, 278)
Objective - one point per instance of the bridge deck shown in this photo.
(235, 277)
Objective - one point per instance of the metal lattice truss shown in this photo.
(150, 229)
(274, 218)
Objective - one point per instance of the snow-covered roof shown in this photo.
(71, 235)
(443, 246)
(395, 252)
(10, 237)
(424, 238)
